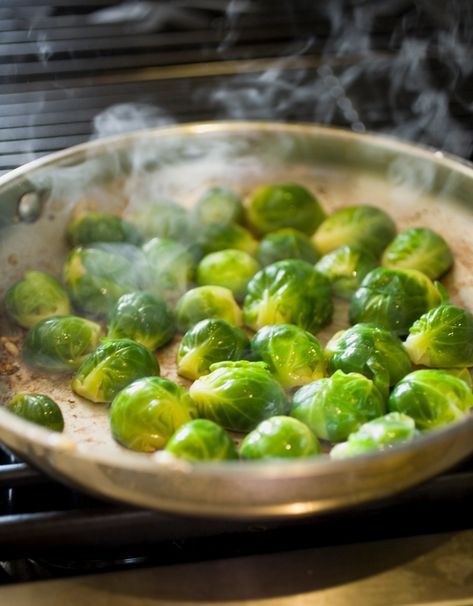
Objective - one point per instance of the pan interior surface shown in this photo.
(415, 186)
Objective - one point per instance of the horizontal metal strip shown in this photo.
(199, 70)
(159, 40)
(19, 71)
(36, 132)
(32, 4)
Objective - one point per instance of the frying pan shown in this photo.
(416, 186)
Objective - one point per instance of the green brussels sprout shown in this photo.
(462, 373)
(393, 298)
(163, 219)
(291, 292)
(442, 337)
(60, 343)
(419, 248)
(219, 205)
(333, 408)
(379, 434)
(368, 227)
(35, 297)
(37, 408)
(433, 398)
(238, 395)
(88, 227)
(145, 414)
(142, 317)
(207, 302)
(112, 366)
(230, 268)
(286, 244)
(279, 438)
(202, 440)
(208, 342)
(170, 267)
(345, 268)
(220, 237)
(273, 207)
(293, 355)
(96, 278)
(370, 350)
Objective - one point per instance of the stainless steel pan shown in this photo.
(417, 186)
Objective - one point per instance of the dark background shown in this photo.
(73, 69)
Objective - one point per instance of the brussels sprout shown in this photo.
(208, 342)
(272, 207)
(380, 434)
(291, 292)
(433, 398)
(96, 279)
(35, 297)
(393, 298)
(442, 337)
(207, 302)
(279, 438)
(219, 237)
(170, 266)
(145, 414)
(293, 355)
(238, 395)
(462, 373)
(202, 440)
(219, 205)
(163, 219)
(370, 350)
(286, 244)
(333, 408)
(368, 227)
(142, 317)
(88, 227)
(230, 268)
(37, 408)
(345, 268)
(61, 343)
(112, 366)
(419, 248)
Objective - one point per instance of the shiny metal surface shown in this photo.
(417, 186)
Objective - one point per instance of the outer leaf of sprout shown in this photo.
(37, 408)
(419, 248)
(433, 398)
(60, 343)
(207, 302)
(368, 227)
(335, 407)
(294, 356)
(393, 298)
(290, 292)
(238, 395)
(273, 207)
(145, 414)
(112, 366)
(35, 297)
(208, 342)
(442, 337)
(280, 438)
(142, 317)
(229, 268)
(202, 440)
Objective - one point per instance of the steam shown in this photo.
(405, 88)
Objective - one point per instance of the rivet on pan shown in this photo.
(30, 207)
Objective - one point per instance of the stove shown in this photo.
(76, 70)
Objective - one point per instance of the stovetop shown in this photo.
(75, 70)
